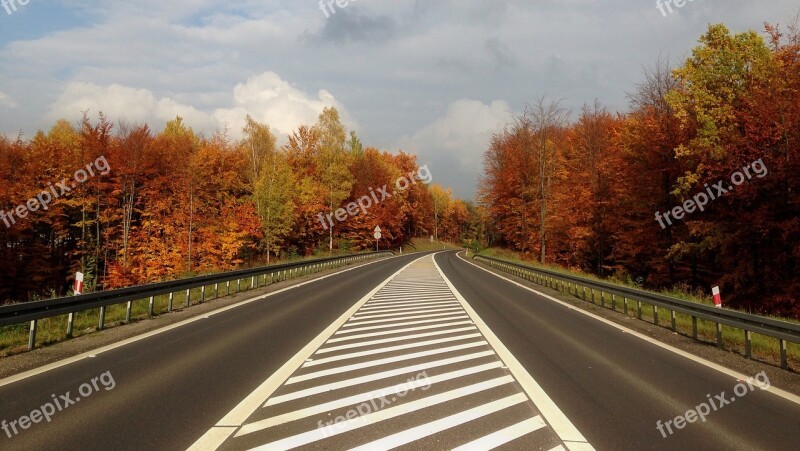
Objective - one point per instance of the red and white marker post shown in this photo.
(717, 297)
(77, 287)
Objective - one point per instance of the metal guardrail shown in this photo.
(37, 310)
(783, 331)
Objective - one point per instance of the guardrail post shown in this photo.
(584, 293)
(674, 321)
(625, 304)
(253, 282)
(216, 290)
(128, 309)
(784, 357)
(188, 297)
(171, 302)
(32, 336)
(202, 294)
(748, 344)
(719, 335)
(238, 285)
(694, 327)
(655, 315)
(70, 322)
(227, 288)
(151, 306)
(639, 309)
(592, 290)
(602, 299)
(101, 323)
(613, 302)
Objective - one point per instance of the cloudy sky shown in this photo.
(435, 77)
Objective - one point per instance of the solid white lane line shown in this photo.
(387, 413)
(215, 437)
(563, 427)
(434, 427)
(387, 320)
(386, 350)
(393, 339)
(413, 311)
(463, 316)
(503, 436)
(370, 364)
(374, 377)
(411, 384)
(397, 331)
(707, 363)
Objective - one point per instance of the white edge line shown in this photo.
(735, 374)
(239, 414)
(562, 426)
(93, 353)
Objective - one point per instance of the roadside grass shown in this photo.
(733, 339)
(49, 331)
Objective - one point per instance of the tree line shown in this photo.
(585, 193)
(177, 203)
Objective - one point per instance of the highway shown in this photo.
(413, 352)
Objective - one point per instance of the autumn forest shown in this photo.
(578, 189)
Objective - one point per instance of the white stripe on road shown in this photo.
(421, 344)
(397, 331)
(503, 436)
(393, 339)
(359, 398)
(414, 311)
(375, 377)
(360, 366)
(361, 329)
(377, 321)
(390, 412)
(402, 305)
(428, 429)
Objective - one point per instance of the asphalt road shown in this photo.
(615, 387)
(502, 367)
(171, 388)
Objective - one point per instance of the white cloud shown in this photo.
(271, 100)
(455, 143)
(6, 101)
(266, 97)
(463, 132)
(123, 103)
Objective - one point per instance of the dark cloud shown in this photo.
(351, 25)
(501, 54)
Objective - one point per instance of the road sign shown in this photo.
(378, 233)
